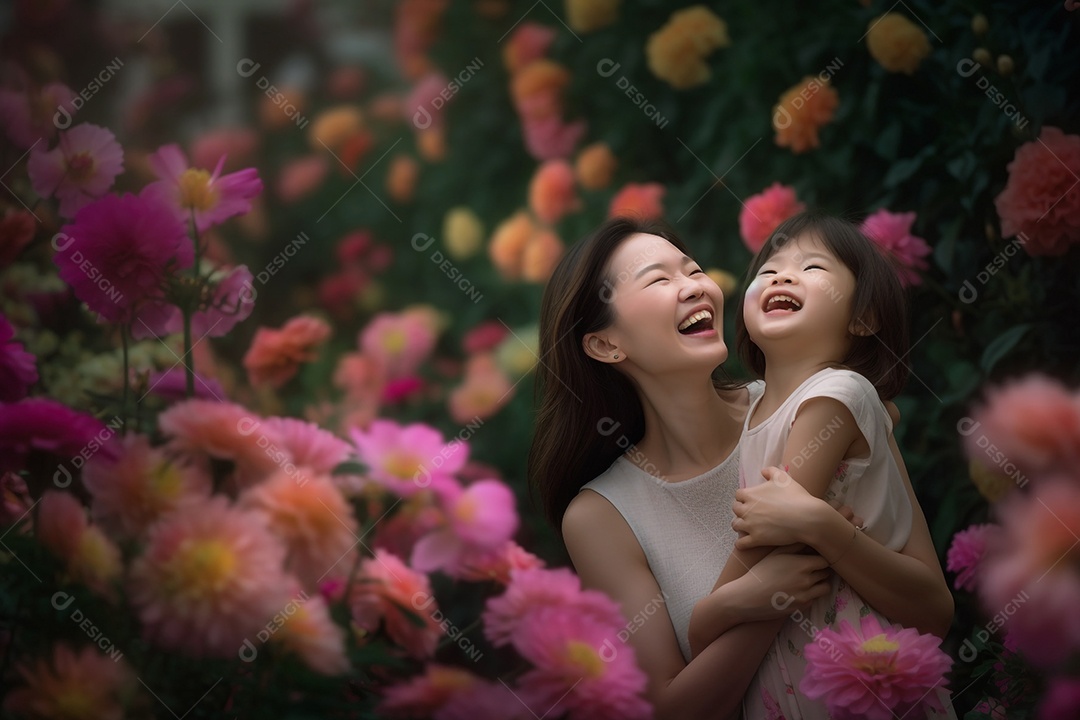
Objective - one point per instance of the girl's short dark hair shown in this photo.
(879, 303)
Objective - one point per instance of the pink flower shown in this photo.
(1040, 204)
(424, 695)
(1028, 570)
(578, 669)
(485, 700)
(413, 518)
(210, 576)
(238, 144)
(83, 685)
(28, 118)
(762, 213)
(18, 370)
(399, 342)
(171, 384)
(484, 392)
(308, 444)
(391, 593)
(551, 191)
(401, 389)
(43, 425)
(302, 176)
(89, 556)
(211, 198)
(230, 301)
(548, 138)
(485, 336)
(892, 233)
(17, 229)
(966, 552)
(80, 169)
(1062, 700)
(529, 41)
(117, 255)
(312, 634)
(498, 565)
(275, 355)
(423, 107)
(1034, 422)
(876, 673)
(479, 518)
(408, 459)
(639, 200)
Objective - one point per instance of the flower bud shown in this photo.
(980, 25)
(1005, 65)
(982, 56)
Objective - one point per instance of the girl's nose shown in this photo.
(783, 277)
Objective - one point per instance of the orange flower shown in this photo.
(802, 110)
(432, 143)
(584, 16)
(541, 256)
(640, 200)
(334, 126)
(275, 355)
(401, 178)
(278, 113)
(897, 43)
(86, 685)
(595, 166)
(677, 51)
(537, 90)
(484, 392)
(551, 191)
(507, 248)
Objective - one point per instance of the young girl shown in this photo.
(824, 322)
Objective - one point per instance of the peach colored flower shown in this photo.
(275, 355)
(1040, 204)
(311, 516)
(801, 111)
(209, 577)
(301, 176)
(73, 685)
(333, 127)
(308, 444)
(508, 243)
(286, 111)
(132, 491)
(485, 391)
(390, 593)
(585, 16)
(762, 213)
(528, 42)
(310, 632)
(401, 178)
(677, 51)
(537, 89)
(431, 143)
(541, 256)
(640, 200)
(398, 342)
(595, 166)
(551, 191)
(416, 28)
(463, 233)
(898, 44)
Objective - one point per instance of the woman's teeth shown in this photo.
(696, 317)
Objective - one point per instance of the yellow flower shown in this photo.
(802, 110)
(897, 43)
(587, 15)
(463, 233)
(333, 127)
(991, 485)
(676, 52)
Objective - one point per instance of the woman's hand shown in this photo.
(777, 512)
(784, 581)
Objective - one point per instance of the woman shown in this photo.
(630, 333)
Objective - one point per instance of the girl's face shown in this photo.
(668, 312)
(801, 301)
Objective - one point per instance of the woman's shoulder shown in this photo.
(590, 514)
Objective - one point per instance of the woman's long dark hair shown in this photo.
(587, 411)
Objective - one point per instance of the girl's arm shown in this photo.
(608, 557)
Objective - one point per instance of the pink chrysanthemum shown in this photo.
(892, 233)
(534, 589)
(309, 444)
(965, 554)
(211, 198)
(139, 486)
(30, 117)
(424, 695)
(872, 674)
(312, 634)
(762, 213)
(210, 576)
(308, 512)
(82, 685)
(410, 458)
(398, 342)
(480, 517)
(43, 425)
(81, 168)
(390, 593)
(89, 556)
(18, 370)
(275, 355)
(225, 431)
(117, 254)
(579, 669)
(499, 564)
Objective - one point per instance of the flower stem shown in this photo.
(124, 398)
(189, 372)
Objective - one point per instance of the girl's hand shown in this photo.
(778, 512)
(784, 581)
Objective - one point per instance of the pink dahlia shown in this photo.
(275, 355)
(966, 552)
(43, 425)
(398, 342)
(81, 168)
(17, 367)
(892, 233)
(29, 117)
(875, 673)
(309, 444)
(73, 685)
(578, 670)
(762, 213)
(410, 458)
(390, 593)
(118, 254)
(196, 194)
(1040, 204)
(209, 577)
(480, 517)
(643, 201)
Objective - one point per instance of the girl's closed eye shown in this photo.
(813, 267)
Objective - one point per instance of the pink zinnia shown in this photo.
(479, 518)
(578, 668)
(762, 213)
(209, 198)
(73, 685)
(393, 594)
(551, 191)
(117, 256)
(1040, 204)
(275, 355)
(43, 425)
(302, 176)
(892, 233)
(643, 201)
(309, 444)
(80, 169)
(408, 459)
(873, 674)
(210, 577)
(966, 552)
(423, 107)
(18, 370)
(398, 342)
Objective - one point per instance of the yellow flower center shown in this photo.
(394, 341)
(585, 658)
(403, 465)
(879, 656)
(165, 482)
(195, 190)
(465, 510)
(71, 703)
(880, 644)
(201, 567)
(80, 166)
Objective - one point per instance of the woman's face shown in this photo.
(668, 313)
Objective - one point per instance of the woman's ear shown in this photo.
(598, 347)
(866, 325)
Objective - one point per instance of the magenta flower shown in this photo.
(965, 553)
(1062, 700)
(873, 674)
(81, 168)
(117, 255)
(892, 232)
(762, 213)
(211, 198)
(17, 369)
(479, 518)
(408, 459)
(39, 424)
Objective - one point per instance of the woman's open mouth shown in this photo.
(701, 321)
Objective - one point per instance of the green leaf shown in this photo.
(350, 467)
(1001, 345)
